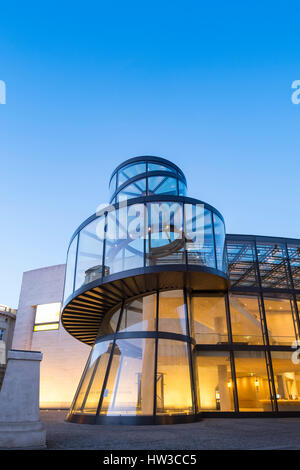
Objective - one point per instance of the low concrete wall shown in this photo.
(20, 424)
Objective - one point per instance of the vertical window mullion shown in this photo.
(105, 378)
(294, 306)
(190, 356)
(233, 375)
(145, 233)
(104, 242)
(214, 237)
(265, 335)
(76, 259)
(109, 363)
(156, 356)
(228, 317)
(185, 255)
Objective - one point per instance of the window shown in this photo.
(1, 334)
(171, 316)
(90, 251)
(214, 382)
(280, 320)
(245, 319)
(199, 236)
(90, 389)
(130, 171)
(287, 380)
(139, 315)
(252, 381)
(220, 243)
(47, 317)
(209, 324)
(130, 385)
(159, 167)
(173, 386)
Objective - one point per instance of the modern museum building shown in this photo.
(177, 319)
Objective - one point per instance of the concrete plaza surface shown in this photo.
(252, 433)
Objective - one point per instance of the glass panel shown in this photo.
(159, 167)
(125, 239)
(130, 386)
(199, 236)
(167, 186)
(90, 252)
(279, 321)
(130, 171)
(245, 319)
(182, 188)
(136, 189)
(154, 182)
(252, 381)
(220, 243)
(241, 263)
(165, 241)
(109, 323)
(90, 390)
(171, 316)
(70, 268)
(173, 385)
(214, 383)
(209, 320)
(139, 315)
(286, 370)
(294, 256)
(272, 265)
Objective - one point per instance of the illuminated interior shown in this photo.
(183, 319)
(119, 378)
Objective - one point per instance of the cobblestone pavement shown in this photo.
(253, 433)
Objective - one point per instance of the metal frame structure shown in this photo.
(257, 266)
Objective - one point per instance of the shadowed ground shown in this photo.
(255, 433)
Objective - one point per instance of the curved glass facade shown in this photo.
(135, 372)
(131, 236)
(146, 177)
(164, 354)
(176, 354)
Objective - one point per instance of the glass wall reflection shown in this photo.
(90, 389)
(200, 248)
(146, 178)
(90, 253)
(130, 386)
(139, 235)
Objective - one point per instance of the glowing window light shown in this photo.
(46, 327)
(47, 316)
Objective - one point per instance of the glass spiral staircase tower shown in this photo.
(134, 271)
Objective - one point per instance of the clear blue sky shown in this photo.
(90, 84)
